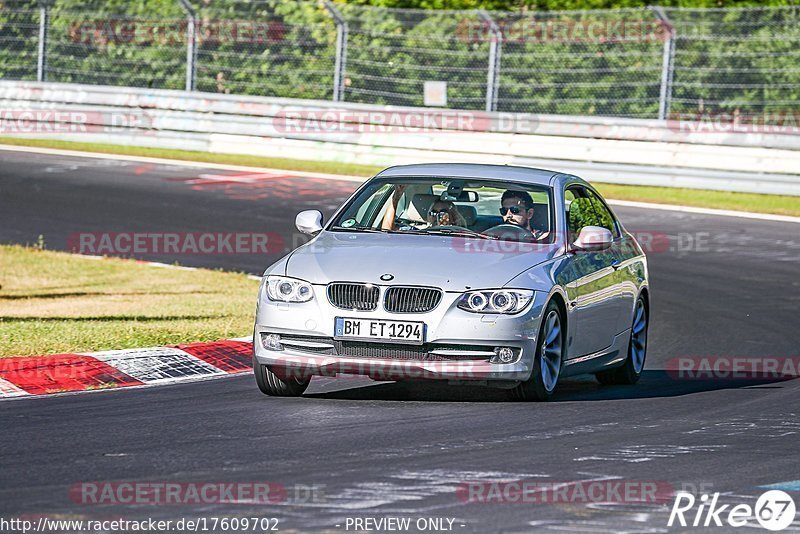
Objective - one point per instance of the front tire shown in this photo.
(274, 385)
(548, 360)
(630, 372)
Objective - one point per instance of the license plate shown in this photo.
(380, 329)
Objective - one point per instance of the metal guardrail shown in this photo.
(502, 122)
(641, 152)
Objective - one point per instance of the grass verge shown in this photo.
(701, 198)
(54, 302)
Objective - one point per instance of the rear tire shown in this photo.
(274, 385)
(629, 373)
(548, 360)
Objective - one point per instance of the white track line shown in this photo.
(180, 163)
(204, 378)
(222, 166)
(153, 264)
(707, 211)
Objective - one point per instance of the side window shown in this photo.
(584, 208)
(603, 215)
(579, 211)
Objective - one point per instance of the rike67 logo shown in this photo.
(774, 510)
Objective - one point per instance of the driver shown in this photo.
(445, 213)
(516, 207)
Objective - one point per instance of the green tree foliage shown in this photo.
(273, 47)
(19, 28)
(556, 5)
(740, 61)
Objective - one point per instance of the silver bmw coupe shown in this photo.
(502, 276)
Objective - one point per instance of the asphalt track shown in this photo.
(722, 287)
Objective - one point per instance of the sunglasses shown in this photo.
(515, 210)
(434, 213)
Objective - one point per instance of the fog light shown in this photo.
(503, 355)
(271, 341)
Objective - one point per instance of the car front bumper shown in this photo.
(446, 325)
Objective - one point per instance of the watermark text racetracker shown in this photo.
(768, 122)
(576, 491)
(221, 242)
(179, 243)
(733, 367)
(166, 493)
(139, 32)
(72, 121)
(303, 368)
(329, 121)
(651, 242)
(590, 30)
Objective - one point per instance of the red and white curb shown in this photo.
(62, 373)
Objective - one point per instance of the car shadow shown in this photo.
(653, 384)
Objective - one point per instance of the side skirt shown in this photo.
(608, 358)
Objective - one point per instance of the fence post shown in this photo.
(191, 44)
(495, 48)
(667, 63)
(340, 63)
(44, 23)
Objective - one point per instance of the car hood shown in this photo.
(451, 263)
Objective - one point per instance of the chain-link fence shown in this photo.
(391, 53)
(738, 60)
(257, 47)
(638, 62)
(116, 43)
(19, 40)
(582, 63)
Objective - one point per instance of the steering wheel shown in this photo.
(510, 232)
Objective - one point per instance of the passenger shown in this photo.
(441, 212)
(445, 213)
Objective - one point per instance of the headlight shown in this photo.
(508, 301)
(283, 289)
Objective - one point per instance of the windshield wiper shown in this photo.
(361, 229)
(416, 231)
(459, 233)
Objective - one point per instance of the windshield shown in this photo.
(484, 209)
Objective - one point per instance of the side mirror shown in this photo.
(309, 222)
(593, 238)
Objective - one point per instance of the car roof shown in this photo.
(473, 170)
